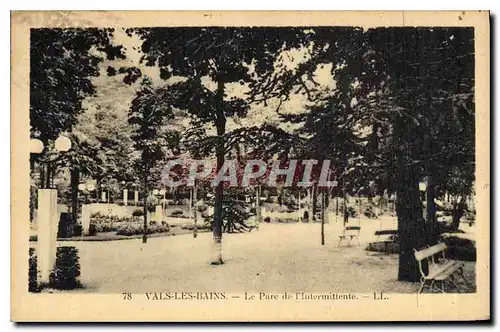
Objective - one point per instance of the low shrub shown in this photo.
(138, 228)
(98, 218)
(130, 229)
(108, 226)
(370, 212)
(388, 248)
(159, 228)
(459, 248)
(351, 212)
(78, 230)
(65, 225)
(287, 221)
(67, 269)
(190, 227)
(32, 271)
(65, 274)
(138, 213)
(176, 213)
(92, 229)
(306, 216)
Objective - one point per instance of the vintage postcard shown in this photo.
(250, 166)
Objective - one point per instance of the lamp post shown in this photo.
(195, 209)
(48, 216)
(82, 187)
(422, 187)
(87, 188)
(158, 208)
(162, 194)
(136, 194)
(125, 193)
(105, 190)
(103, 193)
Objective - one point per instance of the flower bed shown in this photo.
(138, 228)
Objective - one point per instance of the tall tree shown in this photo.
(147, 115)
(62, 65)
(225, 56)
(414, 90)
(429, 84)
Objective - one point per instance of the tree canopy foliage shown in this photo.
(397, 109)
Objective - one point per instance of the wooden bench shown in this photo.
(441, 269)
(350, 233)
(387, 236)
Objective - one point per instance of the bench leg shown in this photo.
(460, 272)
(431, 286)
(437, 285)
(422, 286)
(452, 280)
(442, 287)
(340, 241)
(425, 284)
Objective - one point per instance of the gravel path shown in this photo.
(276, 258)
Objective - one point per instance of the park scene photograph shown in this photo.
(193, 162)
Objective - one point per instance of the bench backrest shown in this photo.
(428, 252)
(352, 230)
(387, 232)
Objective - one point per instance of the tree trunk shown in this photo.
(42, 174)
(323, 218)
(327, 200)
(345, 210)
(258, 211)
(220, 124)
(195, 210)
(75, 180)
(145, 207)
(48, 175)
(431, 212)
(314, 201)
(411, 227)
(457, 213)
(411, 224)
(337, 205)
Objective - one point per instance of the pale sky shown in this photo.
(113, 93)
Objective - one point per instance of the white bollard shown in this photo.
(86, 213)
(47, 232)
(158, 213)
(103, 196)
(190, 203)
(125, 197)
